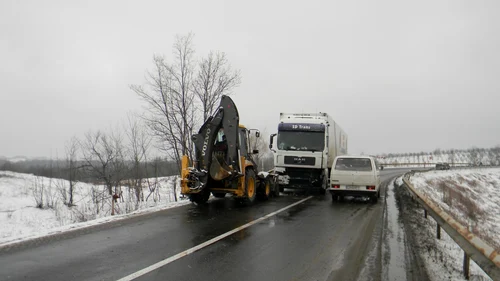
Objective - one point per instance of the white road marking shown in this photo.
(205, 244)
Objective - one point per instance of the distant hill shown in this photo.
(462, 157)
(21, 158)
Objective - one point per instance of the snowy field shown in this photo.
(20, 194)
(471, 196)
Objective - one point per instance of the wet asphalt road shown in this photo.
(315, 240)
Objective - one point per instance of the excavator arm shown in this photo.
(206, 164)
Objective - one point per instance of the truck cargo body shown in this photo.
(306, 147)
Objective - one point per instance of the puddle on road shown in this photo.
(393, 251)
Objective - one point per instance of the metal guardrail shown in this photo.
(474, 247)
(429, 164)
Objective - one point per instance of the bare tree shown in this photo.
(71, 166)
(153, 185)
(451, 157)
(139, 144)
(104, 158)
(170, 100)
(214, 79)
(474, 155)
(38, 191)
(495, 155)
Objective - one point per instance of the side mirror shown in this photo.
(271, 139)
(257, 134)
(255, 151)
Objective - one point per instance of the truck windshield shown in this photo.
(353, 164)
(304, 141)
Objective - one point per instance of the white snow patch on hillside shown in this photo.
(471, 196)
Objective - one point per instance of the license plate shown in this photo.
(352, 187)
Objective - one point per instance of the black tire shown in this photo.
(324, 186)
(199, 198)
(265, 190)
(276, 187)
(250, 186)
(219, 194)
(374, 198)
(276, 191)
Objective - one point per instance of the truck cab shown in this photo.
(305, 148)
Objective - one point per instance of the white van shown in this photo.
(355, 176)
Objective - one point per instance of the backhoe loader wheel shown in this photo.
(250, 186)
(219, 194)
(199, 198)
(265, 190)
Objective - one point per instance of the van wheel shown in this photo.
(374, 198)
(335, 198)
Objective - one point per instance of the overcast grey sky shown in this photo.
(397, 76)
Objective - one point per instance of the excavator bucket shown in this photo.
(219, 169)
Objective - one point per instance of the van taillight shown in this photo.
(335, 186)
(370, 187)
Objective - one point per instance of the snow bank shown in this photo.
(21, 193)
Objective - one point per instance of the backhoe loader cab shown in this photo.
(223, 161)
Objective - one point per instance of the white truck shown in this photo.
(307, 144)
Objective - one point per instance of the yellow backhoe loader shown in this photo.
(223, 161)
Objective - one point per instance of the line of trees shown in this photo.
(474, 155)
(178, 95)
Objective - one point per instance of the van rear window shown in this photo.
(353, 164)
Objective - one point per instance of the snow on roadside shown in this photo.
(443, 258)
(471, 196)
(20, 219)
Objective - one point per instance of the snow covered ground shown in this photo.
(471, 196)
(20, 194)
(457, 157)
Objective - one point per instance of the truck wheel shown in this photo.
(199, 198)
(374, 198)
(334, 198)
(324, 186)
(219, 194)
(265, 191)
(250, 186)
(276, 191)
(276, 187)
